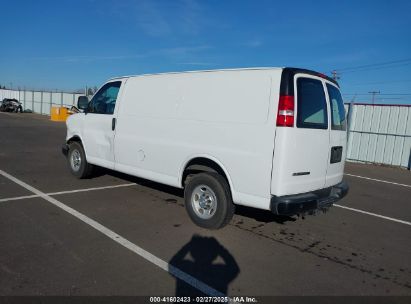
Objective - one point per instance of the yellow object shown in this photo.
(59, 113)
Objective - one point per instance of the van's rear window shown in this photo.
(311, 104)
(338, 121)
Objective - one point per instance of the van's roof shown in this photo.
(200, 71)
(287, 69)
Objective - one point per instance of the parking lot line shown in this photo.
(174, 271)
(378, 180)
(7, 199)
(66, 192)
(374, 214)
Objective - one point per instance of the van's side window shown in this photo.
(311, 103)
(338, 121)
(104, 101)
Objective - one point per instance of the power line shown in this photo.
(379, 68)
(380, 82)
(381, 64)
(390, 98)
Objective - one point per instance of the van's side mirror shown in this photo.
(82, 102)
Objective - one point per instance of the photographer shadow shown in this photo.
(205, 259)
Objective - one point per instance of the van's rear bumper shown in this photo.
(306, 202)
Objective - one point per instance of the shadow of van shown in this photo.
(206, 260)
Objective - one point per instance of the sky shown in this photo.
(67, 45)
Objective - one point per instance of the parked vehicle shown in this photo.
(11, 105)
(269, 138)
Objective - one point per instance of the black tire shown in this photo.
(212, 186)
(82, 169)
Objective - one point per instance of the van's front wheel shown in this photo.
(208, 200)
(77, 162)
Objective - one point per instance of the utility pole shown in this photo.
(373, 95)
(335, 75)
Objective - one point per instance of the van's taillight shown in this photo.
(285, 116)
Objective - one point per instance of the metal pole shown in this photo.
(335, 75)
(32, 101)
(51, 102)
(403, 142)
(349, 118)
(41, 103)
(373, 95)
(61, 98)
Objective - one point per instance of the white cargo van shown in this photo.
(269, 138)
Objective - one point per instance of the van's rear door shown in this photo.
(301, 152)
(338, 135)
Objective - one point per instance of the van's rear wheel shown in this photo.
(77, 161)
(208, 200)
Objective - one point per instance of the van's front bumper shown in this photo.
(309, 201)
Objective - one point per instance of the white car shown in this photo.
(269, 138)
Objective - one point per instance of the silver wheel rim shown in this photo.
(204, 202)
(75, 160)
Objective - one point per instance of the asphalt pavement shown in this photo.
(115, 234)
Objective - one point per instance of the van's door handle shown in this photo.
(113, 124)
